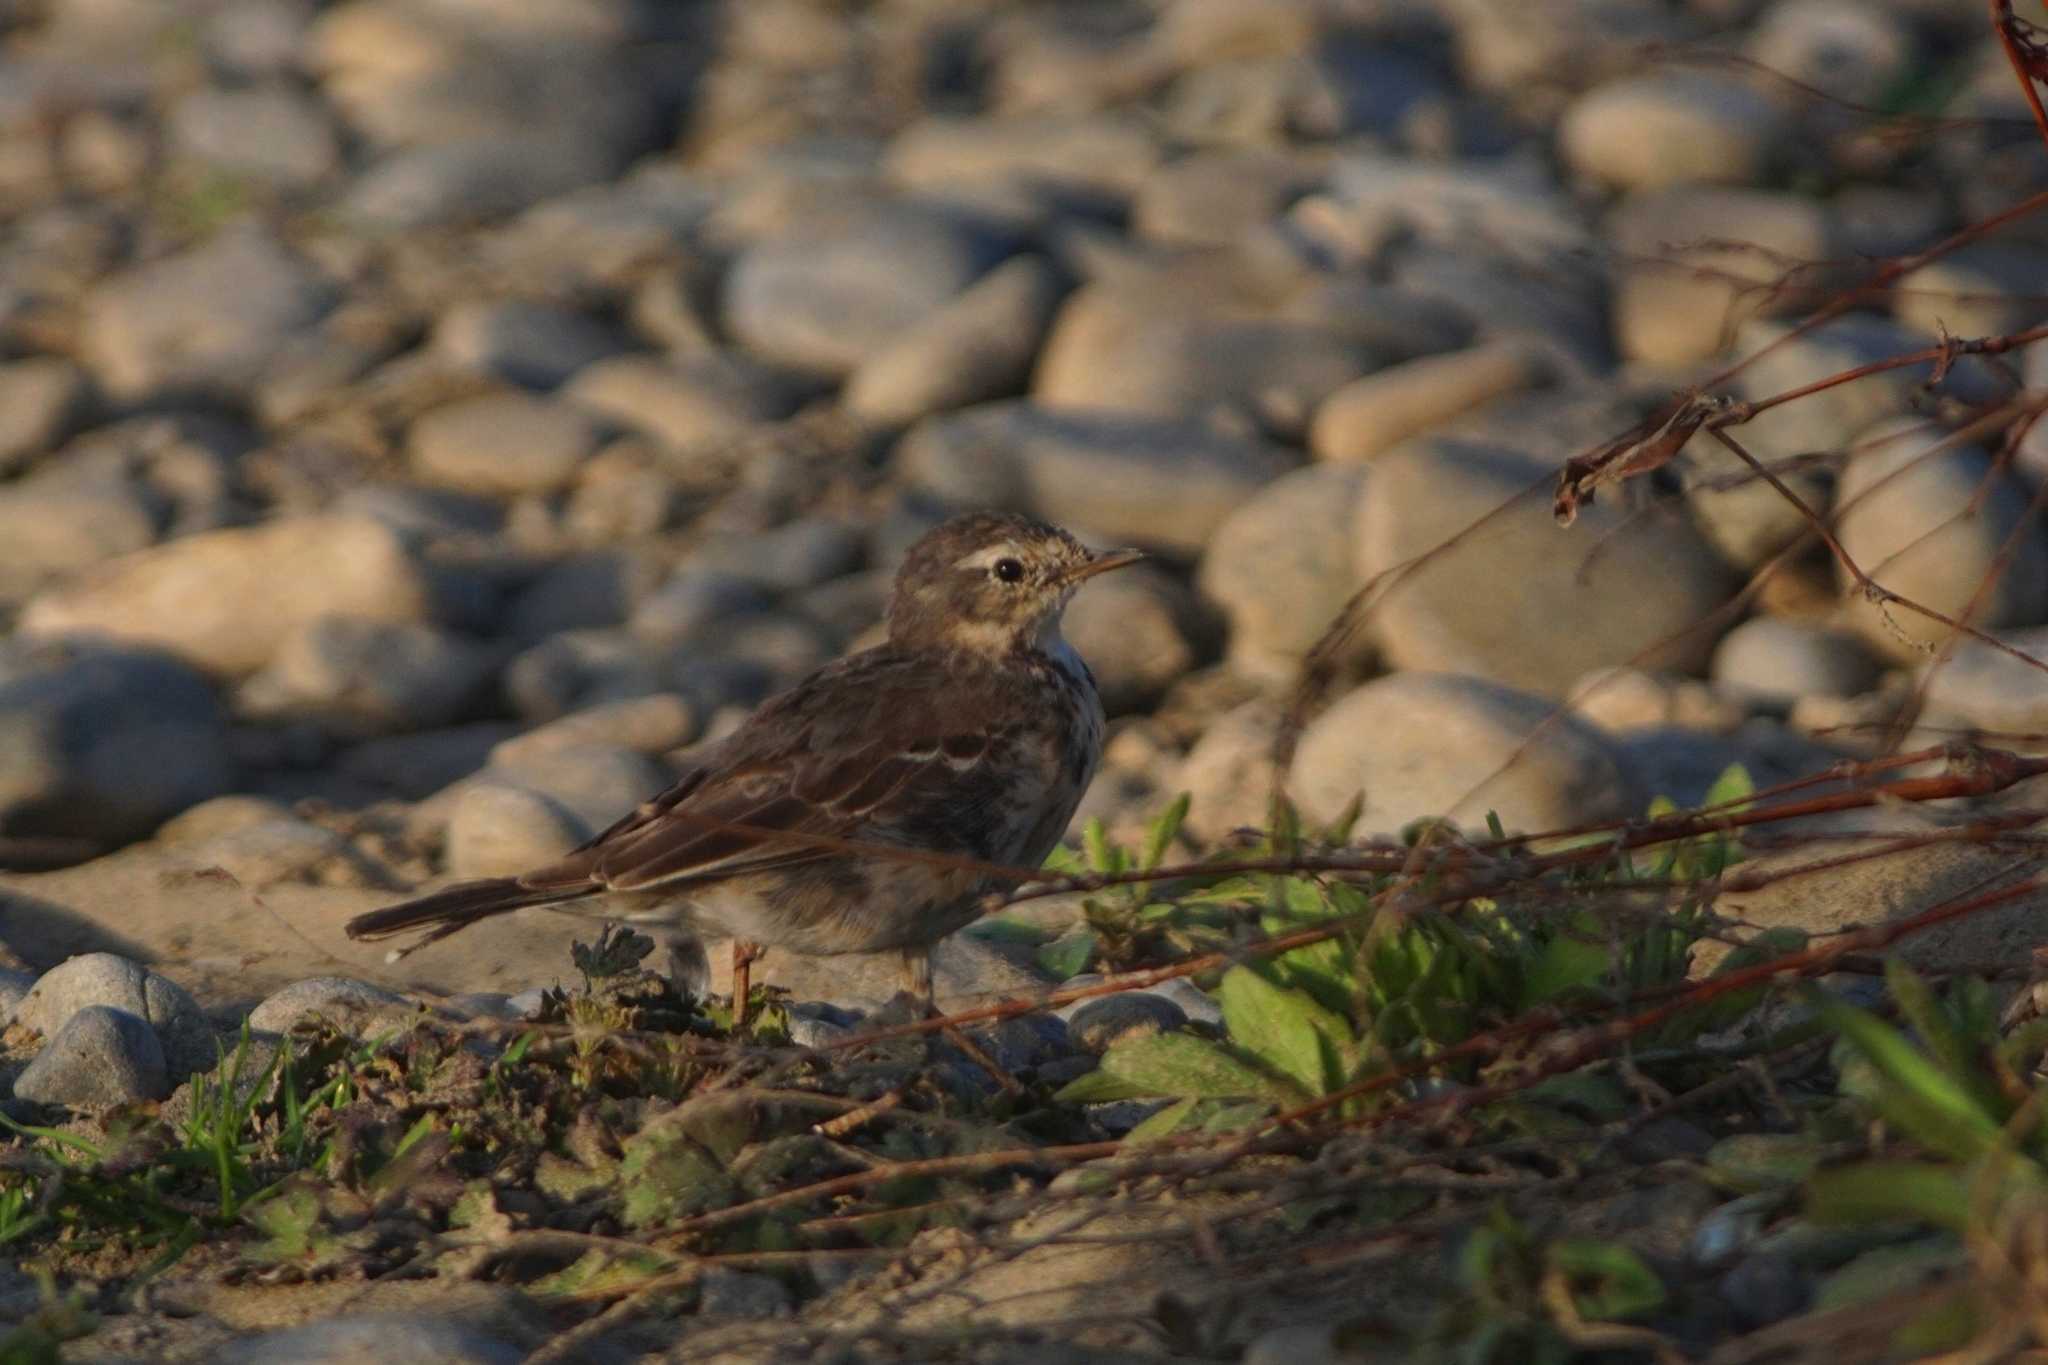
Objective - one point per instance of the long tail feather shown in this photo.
(456, 908)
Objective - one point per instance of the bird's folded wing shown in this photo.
(774, 813)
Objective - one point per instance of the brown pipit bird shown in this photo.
(868, 807)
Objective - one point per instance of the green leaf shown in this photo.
(1734, 784)
(1180, 1064)
(1889, 1272)
(1876, 1191)
(601, 1273)
(1163, 1123)
(1284, 1029)
(1160, 837)
(1100, 1087)
(1069, 954)
(1608, 1281)
(1566, 964)
(1102, 855)
(1951, 1052)
(1754, 1162)
(1924, 1101)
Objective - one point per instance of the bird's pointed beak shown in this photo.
(1104, 562)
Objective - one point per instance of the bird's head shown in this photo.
(991, 583)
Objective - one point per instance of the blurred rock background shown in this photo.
(423, 421)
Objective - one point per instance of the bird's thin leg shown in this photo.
(744, 954)
(917, 980)
(917, 977)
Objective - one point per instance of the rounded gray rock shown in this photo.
(1901, 512)
(974, 348)
(500, 444)
(1670, 127)
(1133, 351)
(106, 979)
(226, 599)
(269, 134)
(1281, 568)
(357, 1007)
(497, 830)
(209, 319)
(829, 294)
(1437, 744)
(39, 398)
(685, 403)
(1161, 482)
(98, 1058)
(1519, 599)
(1771, 660)
(1987, 689)
(105, 745)
(1100, 1024)
(1140, 630)
(372, 1340)
(369, 677)
(522, 341)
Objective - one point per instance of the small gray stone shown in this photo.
(372, 1340)
(831, 293)
(357, 1007)
(1370, 415)
(1420, 744)
(273, 851)
(695, 604)
(412, 766)
(976, 347)
(105, 979)
(207, 320)
(1220, 197)
(1132, 351)
(1394, 324)
(226, 599)
(64, 518)
(1229, 772)
(594, 589)
(1519, 600)
(1101, 1023)
(1282, 566)
(39, 399)
(504, 443)
(688, 403)
(1106, 153)
(595, 783)
(1851, 52)
(474, 178)
(800, 554)
(652, 724)
(1140, 630)
(270, 134)
(1698, 259)
(578, 669)
(14, 986)
(98, 1058)
(105, 745)
(522, 341)
(1931, 525)
(1671, 127)
(1987, 689)
(723, 1293)
(497, 829)
(1980, 290)
(1769, 660)
(1161, 482)
(1766, 1287)
(369, 677)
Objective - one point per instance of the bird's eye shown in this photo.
(1009, 570)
